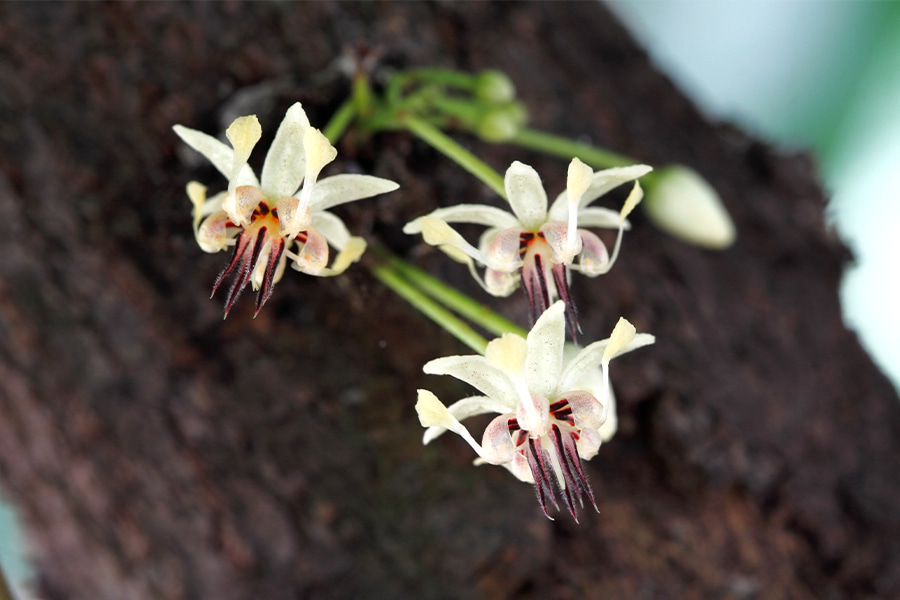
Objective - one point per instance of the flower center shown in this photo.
(257, 254)
(544, 281)
(554, 451)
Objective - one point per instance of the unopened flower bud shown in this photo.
(501, 123)
(494, 87)
(685, 205)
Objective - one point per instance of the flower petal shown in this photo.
(332, 227)
(212, 234)
(465, 408)
(496, 443)
(545, 343)
(479, 214)
(477, 372)
(508, 353)
(285, 163)
(243, 133)
(351, 252)
(340, 189)
(319, 152)
(596, 216)
(433, 413)
(197, 193)
(313, 257)
(526, 195)
(437, 233)
(591, 356)
(218, 153)
(603, 181)
(577, 182)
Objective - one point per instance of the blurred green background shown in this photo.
(817, 74)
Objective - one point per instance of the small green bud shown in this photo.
(682, 203)
(501, 124)
(494, 87)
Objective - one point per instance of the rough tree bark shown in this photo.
(159, 452)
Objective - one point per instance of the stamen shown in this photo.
(246, 268)
(560, 277)
(265, 290)
(565, 466)
(541, 478)
(239, 249)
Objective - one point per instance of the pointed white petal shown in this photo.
(285, 163)
(319, 152)
(634, 198)
(243, 133)
(602, 182)
(526, 195)
(479, 214)
(340, 189)
(595, 216)
(578, 180)
(351, 252)
(197, 194)
(475, 370)
(218, 153)
(332, 227)
(437, 233)
(433, 413)
(465, 408)
(508, 353)
(545, 351)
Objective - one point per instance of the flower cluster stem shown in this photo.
(567, 148)
(340, 121)
(469, 308)
(468, 161)
(390, 277)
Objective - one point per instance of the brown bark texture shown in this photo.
(157, 451)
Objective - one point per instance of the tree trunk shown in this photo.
(156, 451)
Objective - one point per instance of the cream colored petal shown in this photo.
(602, 182)
(545, 344)
(479, 214)
(197, 194)
(332, 227)
(526, 195)
(241, 202)
(595, 216)
(353, 249)
(591, 356)
(477, 372)
(218, 153)
(212, 233)
(437, 233)
(433, 413)
(634, 198)
(319, 152)
(243, 133)
(465, 408)
(496, 443)
(579, 179)
(340, 189)
(508, 353)
(285, 163)
(313, 257)
(293, 220)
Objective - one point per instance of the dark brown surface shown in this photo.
(159, 452)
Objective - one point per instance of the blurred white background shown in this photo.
(817, 74)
